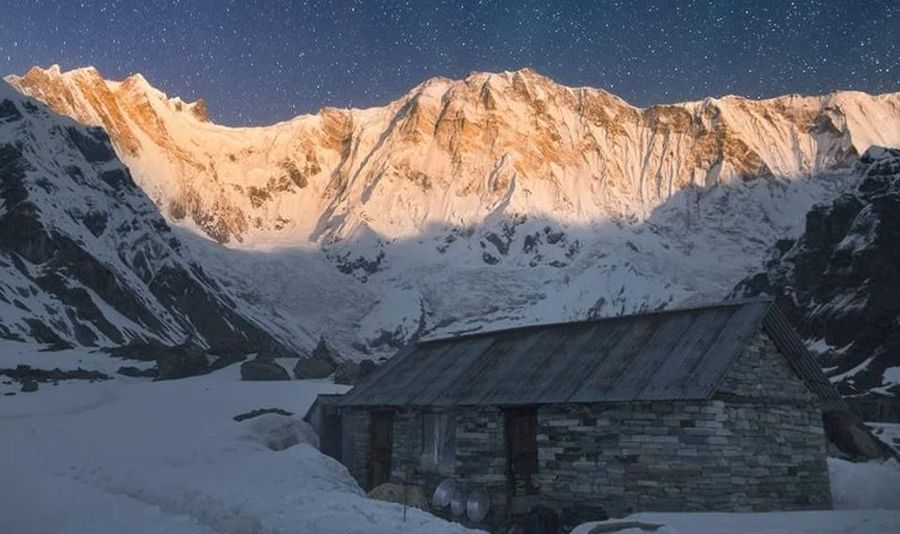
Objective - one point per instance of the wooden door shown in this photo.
(332, 435)
(380, 448)
(521, 450)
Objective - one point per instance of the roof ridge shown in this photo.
(538, 326)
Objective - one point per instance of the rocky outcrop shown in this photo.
(263, 370)
(261, 411)
(181, 361)
(136, 372)
(350, 372)
(321, 364)
(27, 374)
(838, 282)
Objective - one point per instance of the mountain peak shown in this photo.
(139, 80)
(525, 72)
(55, 71)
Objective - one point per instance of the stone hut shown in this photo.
(715, 408)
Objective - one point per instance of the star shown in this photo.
(260, 63)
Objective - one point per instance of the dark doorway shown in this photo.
(521, 450)
(332, 435)
(381, 443)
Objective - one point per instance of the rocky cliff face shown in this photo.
(85, 257)
(839, 283)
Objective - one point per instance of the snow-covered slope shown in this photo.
(478, 203)
(85, 257)
(130, 455)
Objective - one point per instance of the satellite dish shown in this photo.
(477, 505)
(458, 502)
(443, 493)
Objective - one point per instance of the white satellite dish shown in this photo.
(443, 493)
(458, 502)
(477, 505)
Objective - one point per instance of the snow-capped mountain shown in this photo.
(451, 153)
(479, 203)
(839, 281)
(85, 257)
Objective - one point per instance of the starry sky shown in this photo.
(256, 62)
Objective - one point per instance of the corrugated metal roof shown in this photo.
(787, 341)
(677, 354)
(323, 401)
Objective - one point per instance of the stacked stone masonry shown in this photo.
(355, 443)
(762, 373)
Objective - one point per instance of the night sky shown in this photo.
(258, 62)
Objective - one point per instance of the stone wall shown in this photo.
(761, 372)
(759, 444)
(480, 454)
(355, 442)
(407, 446)
(681, 456)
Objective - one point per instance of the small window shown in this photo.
(438, 442)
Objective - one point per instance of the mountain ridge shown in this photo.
(138, 78)
(463, 145)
